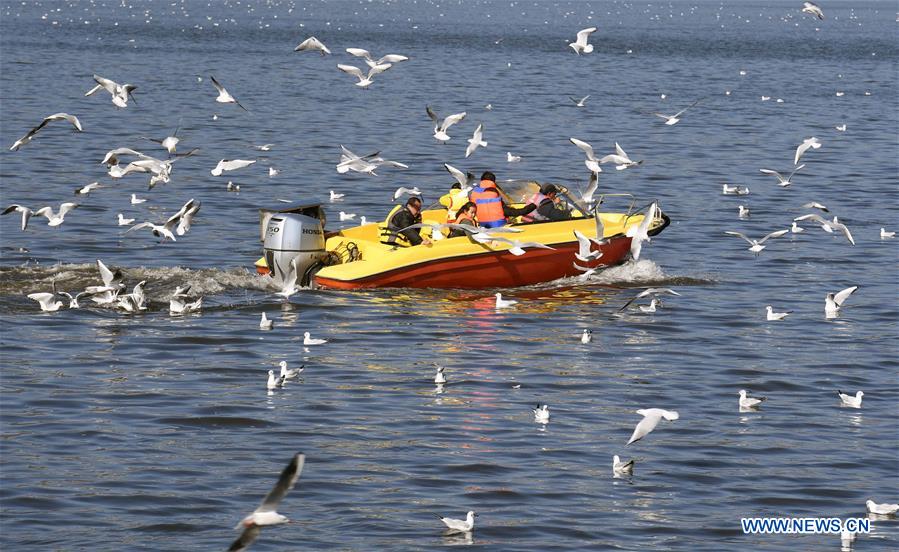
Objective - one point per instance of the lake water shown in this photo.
(149, 432)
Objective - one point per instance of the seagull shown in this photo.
(580, 46)
(346, 216)
(364, 80)
(833, 302)
(308, 340)
(747, 402)
(55, 219)
(654, 292)
(264, 147)
(812, 143)
(290, 373)
(581, 102)
(584, 253)
(773, 316)
(766, 98)
(587, 336)
(464, 179)
(177, 305)
(674, 119)
(46, 300)
(504, 303)
(88, 188)
(841, 128)
(619, 159)
(781, 181)
(224, 96)
(232, 187)
(112, 281)
(592, 162)
(170, 143)
(335, 196)
(512, 158)
(440, 128)
(639, 233)
(312, 44)
(179, 222)
(882, 509)
(886, 235)
(388, 59)
(134, 301)
(829, 225)
(48, 119)
(73, 301)
(266, 513)
(815, 205)
(405, 191)
(587, 195)
(121, 93)
(855, 401)
(756, 245)
(274, 382)
(231, 165)
(518, 247)
(26, 213)
(190, 209)
(812, 9)
(273, 171)
(476, 140)
(734, 190)
(439, 377)
(796, 229)
(651, 418)
(288, 280)
(743, 212)
(651, 307)
(265, 323)
(541, 414)
(458, 525)
(136, 200)
(622, 468)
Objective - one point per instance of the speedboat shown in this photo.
(355, 258)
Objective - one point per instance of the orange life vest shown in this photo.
(489, 203)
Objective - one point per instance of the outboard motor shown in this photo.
(290, 236)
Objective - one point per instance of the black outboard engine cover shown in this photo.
(290, 236)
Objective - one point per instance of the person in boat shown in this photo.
(492, 210)
(466, 215)
(396, 231)
(453, 200)
(547, 209)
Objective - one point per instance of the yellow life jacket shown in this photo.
(453, 200)
(392, 237)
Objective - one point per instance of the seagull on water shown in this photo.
(231, 165)
(747, 402)
(841, 128)
(622, 468)
(265, 323)
(651, 418)
(884, 235)
(440, 127)
(309, 340)
(121, 93)
(46, 300)
(674, 119)
(512, 158)
(364, 80)
(312, 44)
(580, 46)
(459, 525)
(833, 302)
(587, 336)
(781, 181)
(812, 9)
(620, 159)
(581, 102)
(504, 303)
(654, 292)
(476, 141)
(651, 307)
(274, 382)
(743, 212)
(591, 162)
(290, 373)
(756, 245)
(541, 414)
(224, 96)
(734, 190)
(439, 377)
(773, 316)
(335, 196)
(48, 119)
(177, 305)
(346, 216)
(266, 513)
(881, 509)
(796, 229)
(855, 401)
(812, 143)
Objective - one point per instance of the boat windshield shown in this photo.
(520, 191)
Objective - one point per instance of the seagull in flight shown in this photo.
(46, 301)
(312, 44)
(579, 103)
(591, 162)
(620, 159)
(476, 141)
(654, 292)
(815, 205)
(464, 179)
(756, 245)
(639, 233)
(828, 225)
(808, 143)
(173, 224)
(812, 9)
(170, 143)
(224, 96)
(88, 188)
(651, 418)
(121, 93)
(674, 119)
(406, 191)
(580, 46)
(25, 211)
(231, 165)
(833, 302)
(266, 513)
(53, 219)
(371, 62)
(47, 120)
(364, 80)
(781, 181)
(440, 127)
(585, 244)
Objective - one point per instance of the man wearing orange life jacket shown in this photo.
(492, 210)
